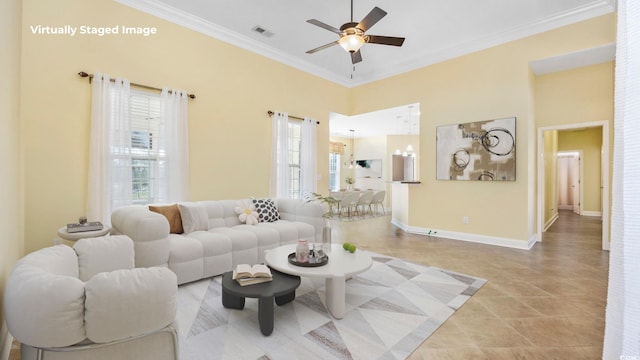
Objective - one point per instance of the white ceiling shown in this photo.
(434, 30)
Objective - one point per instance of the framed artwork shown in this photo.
(481, 151)
(369, 168)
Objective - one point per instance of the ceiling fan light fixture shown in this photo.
(351, 43)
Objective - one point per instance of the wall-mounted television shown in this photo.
(369, 168)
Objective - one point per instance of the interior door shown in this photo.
(575, 186)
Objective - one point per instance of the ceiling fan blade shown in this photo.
(324, 26)
(372, 18)
(385, 40)
(356, 57)
(322, 47)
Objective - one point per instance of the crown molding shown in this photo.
(190, 21)
(596, 8)
(195, 23)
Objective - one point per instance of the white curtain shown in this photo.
(109, 184)
(308, 158)
(171, 183)
(622, 329)
(280, 177)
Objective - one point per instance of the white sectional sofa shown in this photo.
(214, 240)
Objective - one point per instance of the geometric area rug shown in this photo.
(390, 310)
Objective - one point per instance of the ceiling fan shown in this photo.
(352, 34)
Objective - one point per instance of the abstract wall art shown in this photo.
(481, 151)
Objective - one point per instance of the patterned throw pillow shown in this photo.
(267, 210)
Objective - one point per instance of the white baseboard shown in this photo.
(592, 213)
(6, 340)
(548, 224)
(565, 207)
(475, 238)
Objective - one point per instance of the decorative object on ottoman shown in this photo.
(245, 274)
(282, 289)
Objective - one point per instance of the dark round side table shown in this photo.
(282, 289)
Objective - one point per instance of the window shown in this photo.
(145, 152)
(334, 171)
(295, 137)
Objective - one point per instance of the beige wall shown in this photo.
(575, 96)
(578, 96)
(590, 142)
(229, 128)
(489, 84)
(235, 88)
(12, 239)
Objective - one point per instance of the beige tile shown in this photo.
(578, 352)
(555, 305)
(560, 331)
(516, 354)
(449, 335)
(508, 307)
(493, 333)
(448, 354)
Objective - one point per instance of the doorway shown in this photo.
(543, 185)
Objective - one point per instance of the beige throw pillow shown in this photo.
(172, 213)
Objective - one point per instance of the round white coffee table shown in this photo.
(342, 265)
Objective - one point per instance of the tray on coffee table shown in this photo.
(292, 261)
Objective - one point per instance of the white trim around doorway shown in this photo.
(605, 160)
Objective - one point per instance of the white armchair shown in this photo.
(89, 302)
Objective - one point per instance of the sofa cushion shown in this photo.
(126, 303)
(104, 254)
(267, 210)
(194, 217)
(172, 213)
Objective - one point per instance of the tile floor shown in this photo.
(547, 303)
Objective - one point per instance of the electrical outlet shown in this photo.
(465, 220)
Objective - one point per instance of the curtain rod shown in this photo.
(271, 113)
(90, 76)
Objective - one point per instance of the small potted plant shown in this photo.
(350, 181)
(326, 229)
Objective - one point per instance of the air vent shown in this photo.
(262, 31)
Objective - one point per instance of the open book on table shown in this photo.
(246, 274)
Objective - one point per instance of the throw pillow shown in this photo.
(246, 212)
(267, 210)
(194, 217)
(172, 213)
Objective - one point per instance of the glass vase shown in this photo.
(326, 236)
(302, 251)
